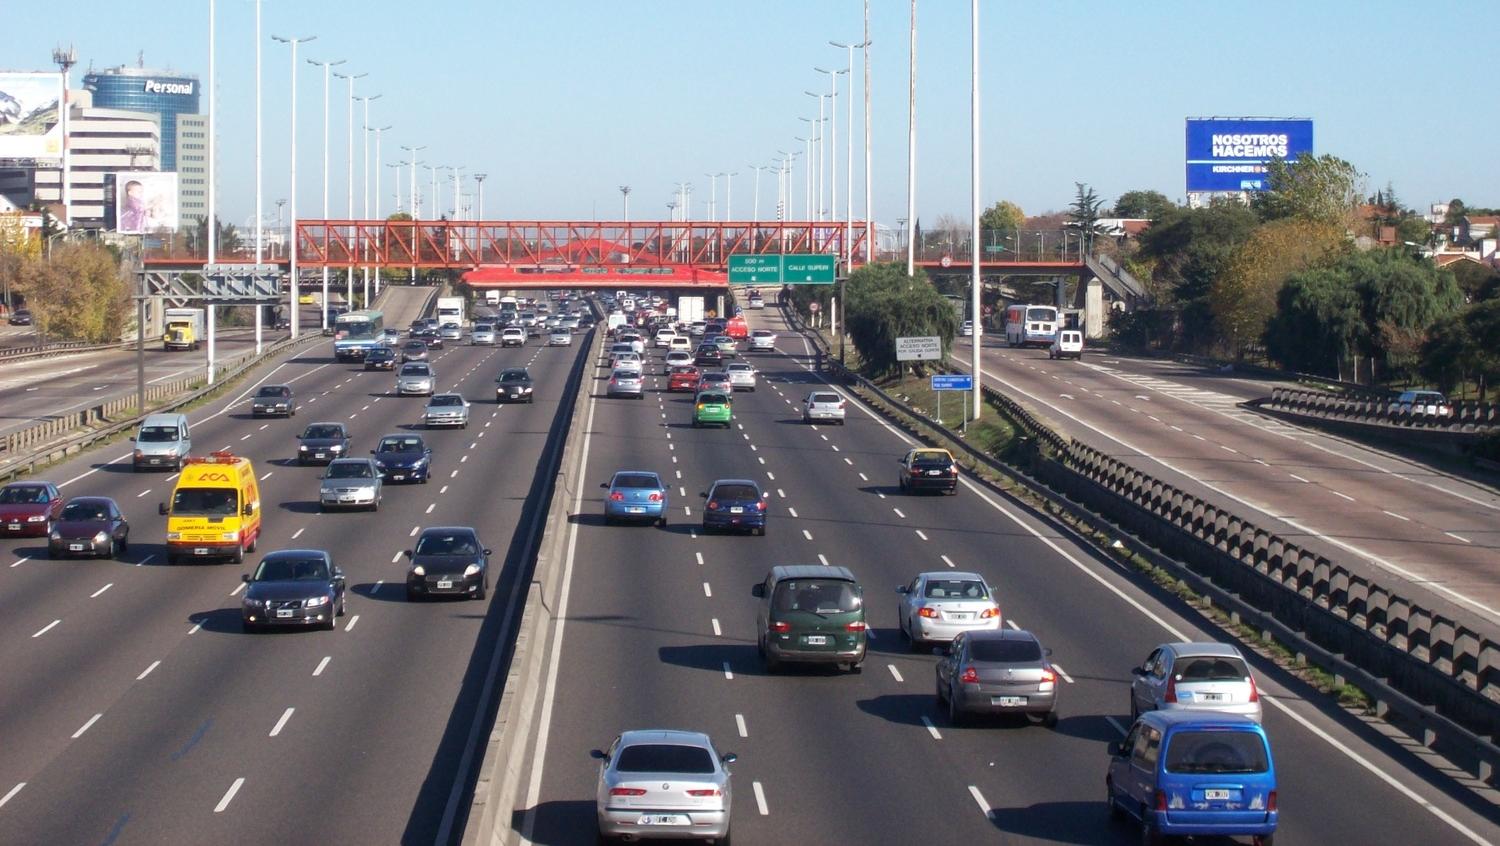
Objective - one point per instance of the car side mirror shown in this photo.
(1117, 749)
(248, 509)
(729, 758)
(1047, 651)
(703, 494)
(1137, 671)
(604, 485)
(338, 573)
(161, 508)
(245, 577)
(488, 552)
(598, 755)
(901, 589)
(758, 590)
(406, 552)
(372, 452)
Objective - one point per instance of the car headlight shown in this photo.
(336, 448)
(231, 536)
(302, 448)
(139, 454)
(99, 538)
(254, 603)
(316, 601)
(418, 570)
(471, 570)
(56, 535)
(525, 390)
(37, 518)
(419, 463)
(171, 536)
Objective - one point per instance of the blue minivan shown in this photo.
(1194, 773)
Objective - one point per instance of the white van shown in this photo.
(162, 442)
(615, 321)
(1067, 344)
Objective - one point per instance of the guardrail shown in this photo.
(1466, 417)
(59, 348)
(1436, 673)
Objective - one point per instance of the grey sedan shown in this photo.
(274, 399)
(560, 338)
(446, 410)
(1005, 671)
(663, 783)
(483, 335)
(351, 483)
(626, 383)
(416, 378)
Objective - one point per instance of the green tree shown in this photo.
(1181, 254)
(1143, 204)
(1324, 189)
(82, 294)
(1243, 296)
(1003, 215)
(1317, 324)
(882, 303)
(1463, 346)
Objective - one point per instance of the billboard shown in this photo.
(1230, 154)
(29, 116)
(145, 201)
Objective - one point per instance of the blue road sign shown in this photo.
(953, 382)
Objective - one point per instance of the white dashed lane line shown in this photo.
(95, 594)
(11, 794)
(979, 798)
(229, 795)
(931, 729)
(895, 672)
(823, 559)
(1061, 672)
(760, 799)
(739, 723)
(717, 631)
(322, 665)
(281, 723)
(44, 629)
(86, 726)
(807, 534)
(921, 534)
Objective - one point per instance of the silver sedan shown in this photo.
(999, 672)
(939, 606)
(350, 483)
(446, 410)
(663, 783)
(416, 378)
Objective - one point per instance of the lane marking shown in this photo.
(792, 511)
(352, 621)
(1344, 495)
(20, 561)
(699, 556)
(1119, 727)
(46, 628)
(823, 559)
(921, 534)
(807, 534)
(143, 493)
(931, 729)
(429, 508)
(298, 533)
(237, 588)
(979, 797)
(947, 560)
(1397, 516)
(864, 478)
(85, 727)
(229, 796)
(11, 795)
(728, 673)
(267, 476)
(1013, 624)
(147, 671)
(1299, 478)
(195, 628)
(898, 512)
(717, 632)
(1460, 538)
(739, 723)
(95, 594)
(760, 799)
(281, 723)
(1061, 672)
(707, 591)
(322, 665)
(895, 672)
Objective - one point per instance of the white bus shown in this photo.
(1030, 325)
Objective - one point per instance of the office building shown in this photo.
(164, 93)
(192, 167)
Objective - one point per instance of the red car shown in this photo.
(29, 509)
(683, 378)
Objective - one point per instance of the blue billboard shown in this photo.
(1230, 154)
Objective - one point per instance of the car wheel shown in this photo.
(1135, 711)
(412, 596)
(483, 590)
(1049, 720)
(249, 628)
(722, 841)
(760, 531)
(662, 521)
(333, 619)
(114, 549)
(773, 664)
(955, 716)
(239, 555)
(1263, 839)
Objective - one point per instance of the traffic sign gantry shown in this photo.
(794, 269)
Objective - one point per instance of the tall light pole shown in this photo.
(453, 175)
(416, 204)
(729, 195)
(437, 204)
(974, 279)
(833, 127)
(326, 66)
(809, 168)
(349, 281)
(397, 167)
(260, 215)
(296, 279)
(822, 149)
(869, 165)
(66, 58)
(849, 157)
(911, 150)
(755, 203)
(378, 130)
(713, 195)
(213, 129)
(479, 179)
(364, 247)
(625, 200)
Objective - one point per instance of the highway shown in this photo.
(1402, 521)
(135, 711)
(656, 630)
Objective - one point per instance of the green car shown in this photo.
(728, 347)
(810, 614)
(712, 408)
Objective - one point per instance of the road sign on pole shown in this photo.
(953, 382)
(755, 270)
(794, 269)
(922, 348)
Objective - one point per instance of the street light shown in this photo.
(349, 282)
(974, 278)
(326, 66)
(65, 59)
(833, 127)
(380, 230)
(822, 149)
(397, 165)
(292, 309)
(479, 179)
(625, 199)
(364, 247)
(849, 163)
(911, 147)
(729, 195)
(416, 204)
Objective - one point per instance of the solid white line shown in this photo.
(85, 726)
(979, 797)
(281, 723)
(13, 791)
(322, 665)
(760, 799)
(895, 672)
(46, 628)
(1449, 534)
(708, 591)
(1397, 516)
(229, 797)
(728, 673)
(947, 560)
(739, 723)
(717, 631)
(352, 621)
(95, 594)
(931, 729)
(147, 671)
(1061, 672)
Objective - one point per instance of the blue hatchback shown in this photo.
(636, 496)
(735, 504)
(1194, 773)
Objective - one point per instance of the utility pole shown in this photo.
(325, 66)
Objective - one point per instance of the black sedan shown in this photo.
(514, 385)
(708, 355)
(380, 358)
(403, 458)
(448, 561)
(89, 525)
(294, 587)
(20, 317)
(321, 443)
(274, 399)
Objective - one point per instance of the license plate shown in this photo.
(1215, 794)
(817, 640)
(736, 509)
(398, 477)
(1008, 701)
(444, 585)
(156, 461)
(75, 547)
(320, 455)
(200, 550)
(1211, 697)
(346, 499)
(635, 510)
(283, 612)
(961, 616)
(934, 472)
(663, 819)
(15, 527)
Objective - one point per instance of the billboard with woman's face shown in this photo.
(145, 202)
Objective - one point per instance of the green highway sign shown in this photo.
(796, 269)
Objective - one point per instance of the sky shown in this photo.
(561, 102)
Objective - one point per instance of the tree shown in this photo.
(1317, 324)
(1243, 295)
(882, 303)
(1142, 204)
(1463, 345)
(1182, 253)
(1324, 189)
(1003, 215)
(82, 294)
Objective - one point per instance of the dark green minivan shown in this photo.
(810, 614)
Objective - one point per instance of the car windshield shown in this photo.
(1210, 669)
(380, 352)
(817, 596)
(515, 376)
(734, 492)
(289, 569)
(483, 327)
(447, 544)
(446, 399)
(762, 333)
(1216, 752)
(1005, 651)
(414, 370)
(275, 391)
(23, 495)
(157, 434)
(349, 470)
(664, 758)
(205, 502)
(401, 445)
(323, 431)
(955, 589)
(85, 511)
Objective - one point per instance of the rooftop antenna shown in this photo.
(140, 58)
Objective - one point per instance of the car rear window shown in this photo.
(664, 758)
(735, 492)
(1216, 752)
(1005, 651)
(955, 589)
(825, 397)
(1210, 668)
(636, 480)
(931, 459)
(713, 399)
(817, 596)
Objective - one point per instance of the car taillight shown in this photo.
(989, 613)
(841, 405)
(712, 791)
(856, 626)
(1171, 689)
(969, 676)
(656, 497)
(1048, 676)
(1254, 691)
(1271, 801)
(929, 613)
(780, 626)
(627, 791)
(760, 506)
(1161, 800)
(700, 406)
(616, 496)
(916, 471)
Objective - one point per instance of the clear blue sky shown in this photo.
(561, 102)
